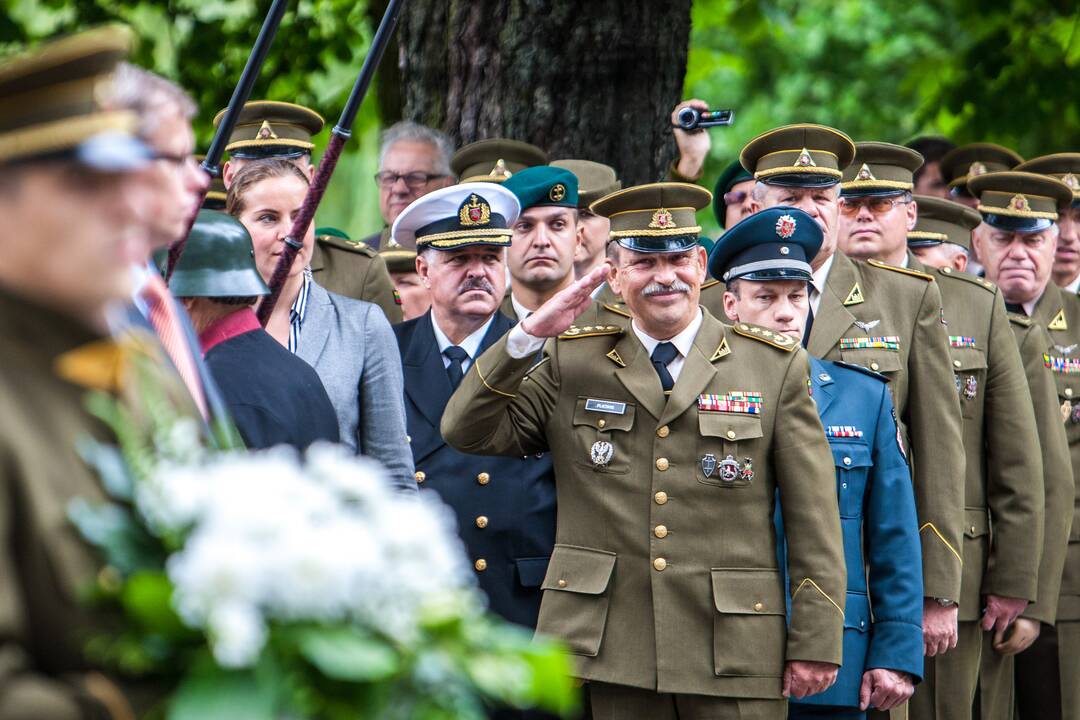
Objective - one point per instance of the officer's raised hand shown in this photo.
(693, 145)
(556, 315)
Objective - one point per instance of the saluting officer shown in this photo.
(670, 439)
(1016, 242)
(505, 506)
(764, 261)
(272, 129)
(887, 319)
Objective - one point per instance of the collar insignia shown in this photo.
(854, 296)
(1058, 323)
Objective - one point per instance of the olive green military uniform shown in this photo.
(664, 576)
(597, 313)
(355, 270)
(1003, 486)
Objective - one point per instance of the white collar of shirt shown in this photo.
(471, 344)
(820, 277)
(906, 262)
(1074, 286)
(520, 310)
(1029, 306)
(682, 342)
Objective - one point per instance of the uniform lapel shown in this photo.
(638, 374)
(1048, 307)
(822, 386)
(832, 319)
(697, 371)
(316, 327)
(426, 382)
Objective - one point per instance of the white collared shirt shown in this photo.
(817, 284)
(471, 344)
(683, 342)
(520, 310)
(1074, 286)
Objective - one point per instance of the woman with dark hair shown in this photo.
(348, 342)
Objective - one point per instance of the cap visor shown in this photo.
(810, 180)
(774, 274)
(658, 244)
(1009, 223)
(871, 192)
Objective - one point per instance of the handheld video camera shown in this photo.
(690, 119)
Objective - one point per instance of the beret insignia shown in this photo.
(557, 192)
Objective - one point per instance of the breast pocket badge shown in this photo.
(601, 453)
(728, 470)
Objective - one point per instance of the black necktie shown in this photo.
(664, 353)
(809, 324)
(454, 370)
(1015, 308)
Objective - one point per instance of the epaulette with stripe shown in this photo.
(574, 332)
(616, 310)
(357, 246)
(709, 284)
(1019, 319)
(765, 335)
(973, 279)
(903, 271)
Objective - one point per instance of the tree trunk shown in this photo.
(594, 80)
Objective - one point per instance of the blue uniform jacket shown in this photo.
(515, 496)
(883, 614)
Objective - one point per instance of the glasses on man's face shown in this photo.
(876, 205)
(735, 197)
(413, 181)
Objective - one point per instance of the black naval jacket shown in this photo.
(505, 506)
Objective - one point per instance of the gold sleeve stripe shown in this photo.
(942, 538)
(494, 390)
(808, 581)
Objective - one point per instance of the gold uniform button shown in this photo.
(660, 531)
(662, 464)
(730, 434)
(874, 366)
(561, 583)
(663, 432)
(956, 363)
(421, 476)
(758, 607)
(972, 529)
(659, 564)
(660, 497)
(482, 522)
(480, 565)
(483, 478)
(601, 423)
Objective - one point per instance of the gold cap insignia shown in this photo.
(557, 192)
(865, 174)
(1019, 203)
(805, 160)
(662, 219)
(266, 132)
(1070, 180)
(785, 226)
(500, 170)
(977, 168)
(474, 211)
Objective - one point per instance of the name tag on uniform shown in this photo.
(886, 342)
(748, 402)
(605, 406)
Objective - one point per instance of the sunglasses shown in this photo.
(876, 205)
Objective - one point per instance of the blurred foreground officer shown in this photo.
(595, 180)
(1017, 242)
(887, 319)
(1066, 168)
(414, 297)
(670, 439)
(68, 240)
(764, 260)
(505, 506)
(1012, 494)
(271, 129)
(274, 397)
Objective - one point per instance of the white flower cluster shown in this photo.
(274, 537)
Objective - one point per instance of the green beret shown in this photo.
(733, 174)
(544, 185)
(595, 180)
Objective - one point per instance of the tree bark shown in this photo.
(593, 80)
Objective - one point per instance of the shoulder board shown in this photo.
(1022, 320)
(709, 284)
(616, 310)
(903, 271)
(357, 246)
(973, 279)
(861, 369)
(574, 332)
(765, 335)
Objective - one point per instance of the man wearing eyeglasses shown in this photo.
(1003, 483)
(1017, 240)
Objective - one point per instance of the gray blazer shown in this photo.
(352, 348)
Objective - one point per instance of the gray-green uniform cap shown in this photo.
(801, 155)
(959, 166)
(1062, 166)
(268, 128)
(494, 160)
(1019, 202)
(942, 221)
(218, 260)
(880, 168)
(595, 180)
(658, 217)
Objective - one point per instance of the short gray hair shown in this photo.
(409, 131)
(149, 96)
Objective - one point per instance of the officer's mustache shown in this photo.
(660, 289)
(478, 283)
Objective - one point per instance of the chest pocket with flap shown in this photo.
(593, 427)
(881, 360)
(852, 459)
(727, 437)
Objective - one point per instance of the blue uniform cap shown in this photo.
(774, 244)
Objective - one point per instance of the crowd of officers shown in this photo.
(821, 467)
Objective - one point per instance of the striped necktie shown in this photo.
(166, 322)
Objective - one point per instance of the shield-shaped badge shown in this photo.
(971, 387)
(602, 452)
(708, 464)
(729, 469)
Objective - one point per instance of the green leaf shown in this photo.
(211, 693)
(147, 599)
(348, 654)
(124, 544)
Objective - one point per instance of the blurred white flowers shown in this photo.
(271, 536)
